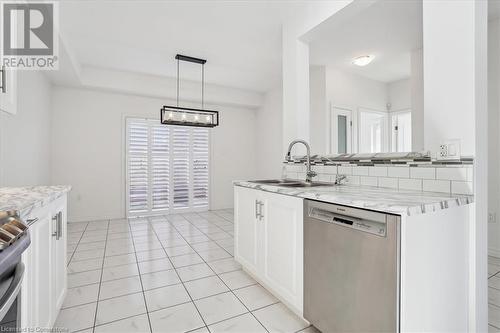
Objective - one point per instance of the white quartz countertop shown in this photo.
(399, 202)
(24, 199)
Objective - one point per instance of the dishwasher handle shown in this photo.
(373, 227)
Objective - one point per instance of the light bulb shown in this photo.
(171, 115)
(196, 117)
(363, 60)
(208, 119)
(184, 116)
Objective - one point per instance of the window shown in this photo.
(401, 131)
(167, 168)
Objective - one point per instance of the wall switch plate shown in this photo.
(492, 217)
(449, 150)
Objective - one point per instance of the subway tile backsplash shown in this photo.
(453, 179)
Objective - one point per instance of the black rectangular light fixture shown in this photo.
(176, 115)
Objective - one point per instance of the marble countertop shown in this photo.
(25, 199)
(399, 202)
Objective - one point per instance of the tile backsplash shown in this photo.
(453, 179)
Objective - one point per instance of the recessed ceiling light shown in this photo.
(362, 60)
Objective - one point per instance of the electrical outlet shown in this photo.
(492, 217)
(449, 150)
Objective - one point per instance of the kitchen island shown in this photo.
(432, 235)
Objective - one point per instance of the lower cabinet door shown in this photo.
(59, 277)
(246, 227)
(283, 247)
(41, 283)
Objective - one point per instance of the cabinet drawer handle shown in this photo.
(261, 204)
(31, 221)
(3, 84)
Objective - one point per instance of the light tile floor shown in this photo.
(493, 294)
(173, 273)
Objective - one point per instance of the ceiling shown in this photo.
(241, 40)
(389, 30)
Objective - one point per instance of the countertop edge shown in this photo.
(41, 196)
(417, 209)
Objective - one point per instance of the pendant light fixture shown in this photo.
(175, 115)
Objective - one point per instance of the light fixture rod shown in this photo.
(203, 85)
(190, 59)
(178, 82)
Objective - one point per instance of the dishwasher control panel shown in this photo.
(374, 227)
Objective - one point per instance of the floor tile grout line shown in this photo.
(168, 285)
(77, 244)
(227, 285)
(181, 228)
(142, 285)
(100, 282)
(177, 273)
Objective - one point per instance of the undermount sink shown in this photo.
(291, 183)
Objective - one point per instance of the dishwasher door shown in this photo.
(351, 269)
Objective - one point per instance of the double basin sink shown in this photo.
(290, 183)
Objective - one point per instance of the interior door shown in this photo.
(401, 131)
(246, 206)
(282, 246)
(372, 131)
(340, 130)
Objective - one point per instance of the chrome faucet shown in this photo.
(309, 174)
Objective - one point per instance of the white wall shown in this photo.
(448, 74)
(399, 95)
(25, 136)
(318, 110)
(269, 154)
(455, 93)
(417, 100)
(88, 149)
(353, 91)
(300, 18)
(493, 137)
(330, 86)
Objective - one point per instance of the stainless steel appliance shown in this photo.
(14, 239)
(351, 269)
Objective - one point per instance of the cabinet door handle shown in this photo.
(261, 204)
(59, 225)
(256, 208)
(3, 84)
(54, 220)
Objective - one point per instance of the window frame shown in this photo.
(171, 209)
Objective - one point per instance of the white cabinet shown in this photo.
(247, 227)
(282, 247)
(8, 90)
(269, 241)
(44, 284)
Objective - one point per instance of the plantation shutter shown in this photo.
(138, 171)
(200, 167)
(160, 167)
(180, 160)
(167, 168)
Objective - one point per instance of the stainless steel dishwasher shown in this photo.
(351, 269)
